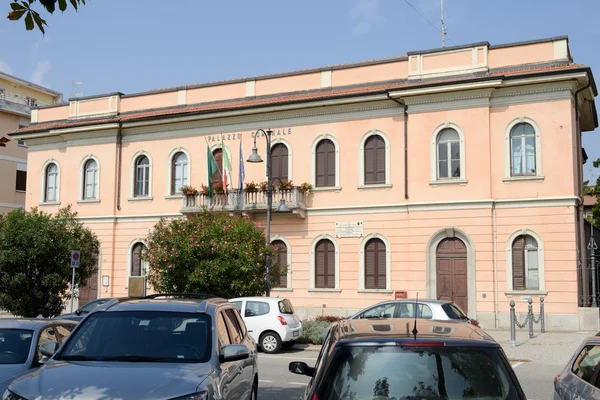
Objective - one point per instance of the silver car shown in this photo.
(427, 309)
(19, 341)
(162, 347)
(579, 379)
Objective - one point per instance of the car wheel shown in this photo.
(289, 345)
(254, 392)
(270, 342)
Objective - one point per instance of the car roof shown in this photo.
(258, 298)
(429, 301)
(153, 303)
(401, 329)
(31, 323)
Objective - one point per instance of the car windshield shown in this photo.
(143, 336)
(406, 373)
(90, 306)
(15, 345)
(453, 311)
(285, 307)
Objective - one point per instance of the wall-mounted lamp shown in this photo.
(105, 283)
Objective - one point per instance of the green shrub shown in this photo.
(312, 331)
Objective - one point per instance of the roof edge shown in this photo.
(96, 96)
(31, 84)
(526, 42)
(451, 48)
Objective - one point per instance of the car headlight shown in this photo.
(193, 396)
(8, 395)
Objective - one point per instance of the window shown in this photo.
(282, 263)
(448, 154)
(407, 310)
(375, 264)
(325, 265)
(222, 330)
(387, 310)
(279, 162)
(179, 172)
(374, 154)
(325, 164)
(30, 102)
(21, 184)
(522, 150)
(21, 143)
(453, 312)
(46, 335)
(90, 180)
(137, 253)
(15, 345)
(233, 326)
(525, 264)
(256, 308)
(51, 187)
(142, 177)
(586, 363)
(2, 94)
(238, 305)
(285, 306)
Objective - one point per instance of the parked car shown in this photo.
(579, 379)
(271, 321)
(81, 312)
(131, 349)
(425, 308)
(19, 341)
(401, 359)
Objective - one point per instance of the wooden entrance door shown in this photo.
(89, 292)
(452, 272)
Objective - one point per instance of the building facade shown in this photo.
(452, 173)
(17, 97)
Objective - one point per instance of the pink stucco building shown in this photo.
(452, 173)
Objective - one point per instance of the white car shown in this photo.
(271, 321)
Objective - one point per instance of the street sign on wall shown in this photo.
(75, 258)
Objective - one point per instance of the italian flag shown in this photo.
(226, 167)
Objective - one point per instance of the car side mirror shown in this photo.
(234, 352)
(301, 368)
(78, 311)
(48, 348)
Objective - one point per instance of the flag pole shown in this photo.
(219, 169)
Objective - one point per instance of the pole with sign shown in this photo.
(75, 258)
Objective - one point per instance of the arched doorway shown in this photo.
(451, 272)
(89, 292)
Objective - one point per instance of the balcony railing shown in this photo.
(245, 202)
(15, 103)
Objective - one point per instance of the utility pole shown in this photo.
(443, 25)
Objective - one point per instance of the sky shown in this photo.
(136, 45)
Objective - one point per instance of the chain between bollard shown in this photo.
(521, 326)
(530, 319)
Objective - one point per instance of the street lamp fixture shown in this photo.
(282, 207)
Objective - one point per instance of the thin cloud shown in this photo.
(4, 67)
(366, 15)
(42, 68)
(37, 45)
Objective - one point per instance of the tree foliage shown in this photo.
(594, 191)
(35, 253)
(209, 253)
(20, 9)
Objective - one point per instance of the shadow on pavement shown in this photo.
(273, 393)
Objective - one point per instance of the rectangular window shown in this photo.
(21, 143)
(586, 362)
(443, 160)
(21, 181)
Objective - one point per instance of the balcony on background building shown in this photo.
(17, 104)
(246, 202)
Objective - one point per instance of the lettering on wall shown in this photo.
(238, 136)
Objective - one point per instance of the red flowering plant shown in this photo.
(209, 253)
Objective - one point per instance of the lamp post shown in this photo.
(255, 158)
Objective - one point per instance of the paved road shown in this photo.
(277, 383)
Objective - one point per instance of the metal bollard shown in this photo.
(513, 321)
(542, 319)
(530, 314)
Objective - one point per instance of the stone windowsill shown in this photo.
(380, 291)
(326, 189)
(525, 178)
(282, 290)
(147, 198)
(50, 203)
(174, 196)
(85, 201)
(375, 186)
(315, 290)
(531, 293)
(448, 182)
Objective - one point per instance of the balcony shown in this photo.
(245, 202)
(17, 104)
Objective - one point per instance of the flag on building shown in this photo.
(226, 167)
(242, 177)
(211, 169)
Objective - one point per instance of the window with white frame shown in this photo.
(525, 263)
(51, 183)
(142, 177)
(179, 172)
(137, 263)
(448, 154)
(522, 150)
(90, 180)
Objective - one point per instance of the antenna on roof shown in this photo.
(443, 25)
(415, 331)
(74, 87)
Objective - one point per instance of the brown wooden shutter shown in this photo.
(374, 153)
(281, 260)
(217, 178)
(21, 180)
(279, 162)
(325, 265)
(518, 263)
(375, 264)
(325, 164)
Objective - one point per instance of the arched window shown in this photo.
(142, 177)
(217, 178)
(525, 263)
(325, 265)
(448, 154)
(279, 162)
(90, 180)
(375, 264)
(282, 262)
(374, 154)
(137, 263)
(51, 184)
(179, 172)
(325, 164)
(522, 150)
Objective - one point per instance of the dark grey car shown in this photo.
(580, 378)
(162, 347)
(81, 312)
(19, 341)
